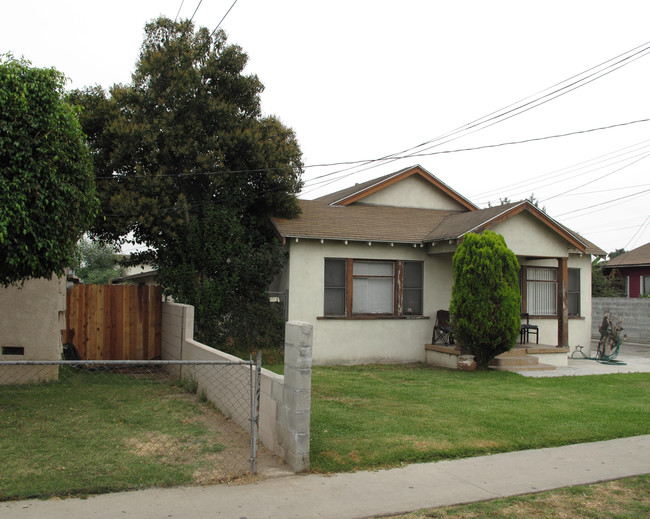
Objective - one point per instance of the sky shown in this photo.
(359, 80)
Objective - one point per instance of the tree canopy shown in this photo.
(98, 262)
(187, 165)
(485, 299)
(47, 193)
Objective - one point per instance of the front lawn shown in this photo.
(94, 431)
(386, 415)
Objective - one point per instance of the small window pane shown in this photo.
(412, 303)
(372, 296)
(335, 281)
(412, 274)
(335, 301)
(335, 273)
(373, 268)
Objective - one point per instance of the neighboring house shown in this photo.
(32, 316)
(634, 266)
(370, 265)
(138, 275)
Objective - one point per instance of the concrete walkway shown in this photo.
(632, 358)
(364, 494)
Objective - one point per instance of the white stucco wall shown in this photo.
(354, 341)
(413, 192)
(525, 235)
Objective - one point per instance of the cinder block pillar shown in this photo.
(294, 410)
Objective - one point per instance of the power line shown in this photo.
(565, 170)
(179, 10)
(310, 181)
(486, 146)
(638, 231)
(520, 107)
(603, 203)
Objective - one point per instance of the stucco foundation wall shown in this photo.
(285, 401)
(31, 319)
(635, 312)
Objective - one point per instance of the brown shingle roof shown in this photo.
(359, 222)
(634, 258)
(319, 220)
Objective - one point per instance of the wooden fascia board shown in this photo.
(542, 217)
(350, 199)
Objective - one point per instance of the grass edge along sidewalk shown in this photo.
(380, 416)
(627, 497)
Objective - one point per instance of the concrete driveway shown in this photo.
(632, 358)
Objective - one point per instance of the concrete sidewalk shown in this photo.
(365, 494)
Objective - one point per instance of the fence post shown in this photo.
(255, 408)
(294, 412)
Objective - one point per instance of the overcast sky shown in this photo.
(361, 79)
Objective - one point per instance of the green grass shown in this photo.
(386, 415)
(623, 498)
(95, 432)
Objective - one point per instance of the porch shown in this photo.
(523, 357)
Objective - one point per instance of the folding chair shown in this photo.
(527, 329)
(442, 329)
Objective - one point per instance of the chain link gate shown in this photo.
(96, 425)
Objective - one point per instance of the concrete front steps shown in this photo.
(517, 359)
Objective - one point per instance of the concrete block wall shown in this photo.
(635, 312)
(285, 401)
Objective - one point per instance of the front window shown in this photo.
(541, 291)
(645, 280)
(373, 287)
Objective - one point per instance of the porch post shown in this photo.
(562, 303)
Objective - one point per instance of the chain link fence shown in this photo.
(70, 427)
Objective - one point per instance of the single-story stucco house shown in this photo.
(369, 267)
(634, 266)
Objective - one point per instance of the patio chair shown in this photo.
(442, 329)
(527, 329)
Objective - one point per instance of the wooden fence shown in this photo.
(114, 322)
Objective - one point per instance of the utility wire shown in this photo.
(310, 181)
(519, 107)
(179, 10)
(563, 171)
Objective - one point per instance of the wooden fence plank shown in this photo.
(114, 322)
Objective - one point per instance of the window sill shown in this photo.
(372, 317)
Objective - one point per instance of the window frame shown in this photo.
(398, 289)
(523, 286)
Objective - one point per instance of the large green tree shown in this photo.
(98, 262)
(187, 165)
(47, 193)
(485, 300)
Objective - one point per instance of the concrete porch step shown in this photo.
(514, 361)
(517, 360)
(529, 367)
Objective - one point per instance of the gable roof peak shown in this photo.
(359, 191)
